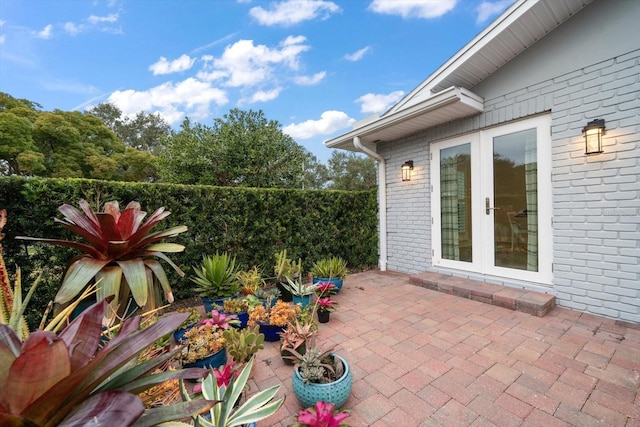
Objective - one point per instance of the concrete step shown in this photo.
(536, 303)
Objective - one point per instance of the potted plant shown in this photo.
(301, 293)
(216, 279)
(295, 337)
(204, 344)
(119, 251)
(264, 296)
(227, 389)
(243, 344)
(321, 375)
(284, 269)
(325, 289)
(332, 269)
(250, 280)
(323, 414)
(273, 319)
(188, 323)
(239, 307)
(324, 306)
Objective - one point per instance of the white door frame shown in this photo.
(483, 236)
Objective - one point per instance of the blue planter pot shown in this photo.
(336, 392)
(213, 361)
(335, 280)
(210, 303)
(303, 301)
(243, 317)
(271, 332)
(178, 335)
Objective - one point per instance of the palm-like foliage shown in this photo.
(68, 379)
(118, 245)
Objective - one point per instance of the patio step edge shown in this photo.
(531, 302)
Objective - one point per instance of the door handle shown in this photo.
(487, 206)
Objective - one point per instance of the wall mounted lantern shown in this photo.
(593, 132)
(407, 167)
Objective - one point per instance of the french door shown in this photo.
(491, 201)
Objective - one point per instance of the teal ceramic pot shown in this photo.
(213, 361)
(335, 280)
(302, 300)
(336, 392)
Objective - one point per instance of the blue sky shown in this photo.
(315, 66)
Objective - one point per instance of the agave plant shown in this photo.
(118, 246)
(69, 379)
(228, 412)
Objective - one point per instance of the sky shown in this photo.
(314, 66)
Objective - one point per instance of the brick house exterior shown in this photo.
(582, 237)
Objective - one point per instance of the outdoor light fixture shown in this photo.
(407, 167)
(593, 132)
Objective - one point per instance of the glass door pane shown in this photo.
(515, 195)
(455, 203)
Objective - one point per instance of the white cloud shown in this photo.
(264, 95)
(488, 9)
(2, 39)
(111, 18)
(310, 80)
(291, 12)
(163, 66)
(246, 64)
(190, 97)
(330, 122)
(46, 32)
(357, 55)
(377, 103)
(72, 28)
(413, 8)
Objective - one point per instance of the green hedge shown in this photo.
(250, 223)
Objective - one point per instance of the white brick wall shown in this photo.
(596, 199)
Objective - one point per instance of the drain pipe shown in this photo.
(382, 200)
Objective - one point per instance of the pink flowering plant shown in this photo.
(325, 304)
(322, 415)
(206, 337)
(223, 376)
(325, 289)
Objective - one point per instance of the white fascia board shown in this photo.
(435, 102)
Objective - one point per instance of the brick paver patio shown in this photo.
(426, 358)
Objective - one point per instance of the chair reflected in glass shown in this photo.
(518, 234)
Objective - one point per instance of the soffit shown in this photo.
(451, 104)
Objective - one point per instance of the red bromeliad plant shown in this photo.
(325, 304)
(118, 246)
(322, 415)
(71, 379)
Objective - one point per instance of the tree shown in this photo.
(54, 144)
(315, 173)
(351, 171)
(241, 149)
(145, 132)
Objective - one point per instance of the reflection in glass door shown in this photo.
(455, 203)
(515, 195)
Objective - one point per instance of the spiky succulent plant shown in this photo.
(119, 248)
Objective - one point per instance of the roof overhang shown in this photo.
(445, 106)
